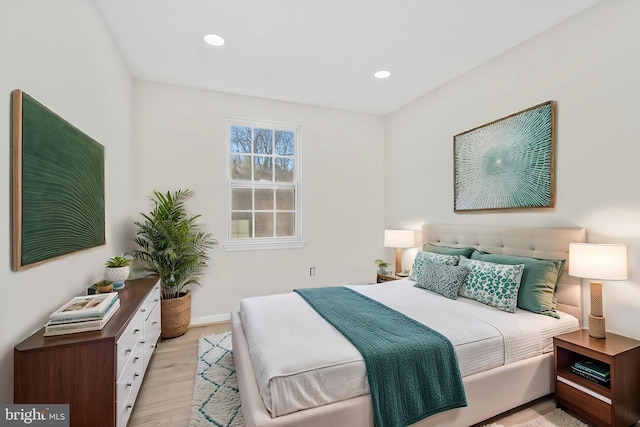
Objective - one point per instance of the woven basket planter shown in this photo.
(175, 315)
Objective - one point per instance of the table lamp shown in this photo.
(597, 262)
(399, 239)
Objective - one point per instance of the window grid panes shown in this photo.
(263, 182)
(262, 212)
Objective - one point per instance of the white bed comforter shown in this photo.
(301, 361)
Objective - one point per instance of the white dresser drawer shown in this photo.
(152, 300)
(128, 385)
(128, 340)
(152, 329)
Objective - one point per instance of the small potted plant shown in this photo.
(117, 271)
(382, 265)
(104, 286)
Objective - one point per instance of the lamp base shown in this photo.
(398, 260)
(596, 327)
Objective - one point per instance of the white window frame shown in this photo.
(264, 243)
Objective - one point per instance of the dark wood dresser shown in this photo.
(97, 373)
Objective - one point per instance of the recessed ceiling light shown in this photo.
(382, 74)
(214, 40)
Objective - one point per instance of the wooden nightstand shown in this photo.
(387, 277)
(617, 404)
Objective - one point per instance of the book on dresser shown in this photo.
(87, 307)
(52, 329)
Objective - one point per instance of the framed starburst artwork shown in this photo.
(506, 164)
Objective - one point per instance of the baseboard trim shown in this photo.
(208, 320)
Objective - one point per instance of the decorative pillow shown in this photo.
(421, 256)
(446, 250)
(492, 284)
(442, 279)
(539, 280)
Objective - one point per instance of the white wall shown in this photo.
(180, 142)
(61, 53)
(590, 66)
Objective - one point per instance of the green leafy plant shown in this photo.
(381, 263)
(103, 283)
(171, 244)
(118, 261)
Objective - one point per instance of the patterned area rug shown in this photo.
(216, 401)
(555, 418)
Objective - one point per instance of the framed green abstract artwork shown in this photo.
(58, 185)
(506, 164)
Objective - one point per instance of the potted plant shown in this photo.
(172, 246)
(117, 270)
(104, 286)
(382, 265)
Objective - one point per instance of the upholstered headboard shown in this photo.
(548, 243)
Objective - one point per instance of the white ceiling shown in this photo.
(323, 52)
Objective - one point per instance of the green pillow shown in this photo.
(539, 280)
(446, 250)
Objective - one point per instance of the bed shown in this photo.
(490, 389)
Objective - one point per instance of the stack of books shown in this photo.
(592, 370)
(82, 314)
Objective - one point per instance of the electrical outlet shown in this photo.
(312, 271)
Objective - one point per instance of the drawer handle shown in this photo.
(129, 384)
(129, 406)
(152, 346)
(129, 350)
(155, 323)
(156, 300)
(136, 330)
(142, 342)
(135, 359)
(143, 310)
(136, 375)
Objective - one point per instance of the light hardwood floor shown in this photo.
(167, 390)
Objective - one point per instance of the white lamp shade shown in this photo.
(399, 238)
(599, 262)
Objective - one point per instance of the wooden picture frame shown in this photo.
(508, 163)
(58, 186)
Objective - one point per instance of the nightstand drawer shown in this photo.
(583, 403)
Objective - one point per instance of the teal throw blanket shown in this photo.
(412, 370)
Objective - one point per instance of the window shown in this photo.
(263, 167)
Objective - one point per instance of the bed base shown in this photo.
(488, 394)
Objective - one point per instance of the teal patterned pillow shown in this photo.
(422, 256)
(445, 280)
(537, 291)
(492, 284)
